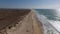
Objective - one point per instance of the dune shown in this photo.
(22, 21)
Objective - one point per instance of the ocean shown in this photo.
(51, 14)
(50, 19)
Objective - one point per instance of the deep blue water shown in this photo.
(49, 13)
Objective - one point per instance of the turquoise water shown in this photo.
(49, 13)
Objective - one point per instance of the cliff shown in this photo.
(20, 22)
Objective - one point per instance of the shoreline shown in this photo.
(28, 25)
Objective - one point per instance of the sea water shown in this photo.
(46, 15)
(51, 14)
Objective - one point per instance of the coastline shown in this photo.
(38, 28)
(28, 25)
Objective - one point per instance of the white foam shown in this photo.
(47, 23)
(55, 24)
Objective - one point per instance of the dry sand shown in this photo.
(29, 25)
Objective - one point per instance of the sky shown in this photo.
(41, 4)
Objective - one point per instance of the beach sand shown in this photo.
(28, 25)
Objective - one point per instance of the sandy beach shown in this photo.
(28, 25)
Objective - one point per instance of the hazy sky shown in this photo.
(29, 3)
